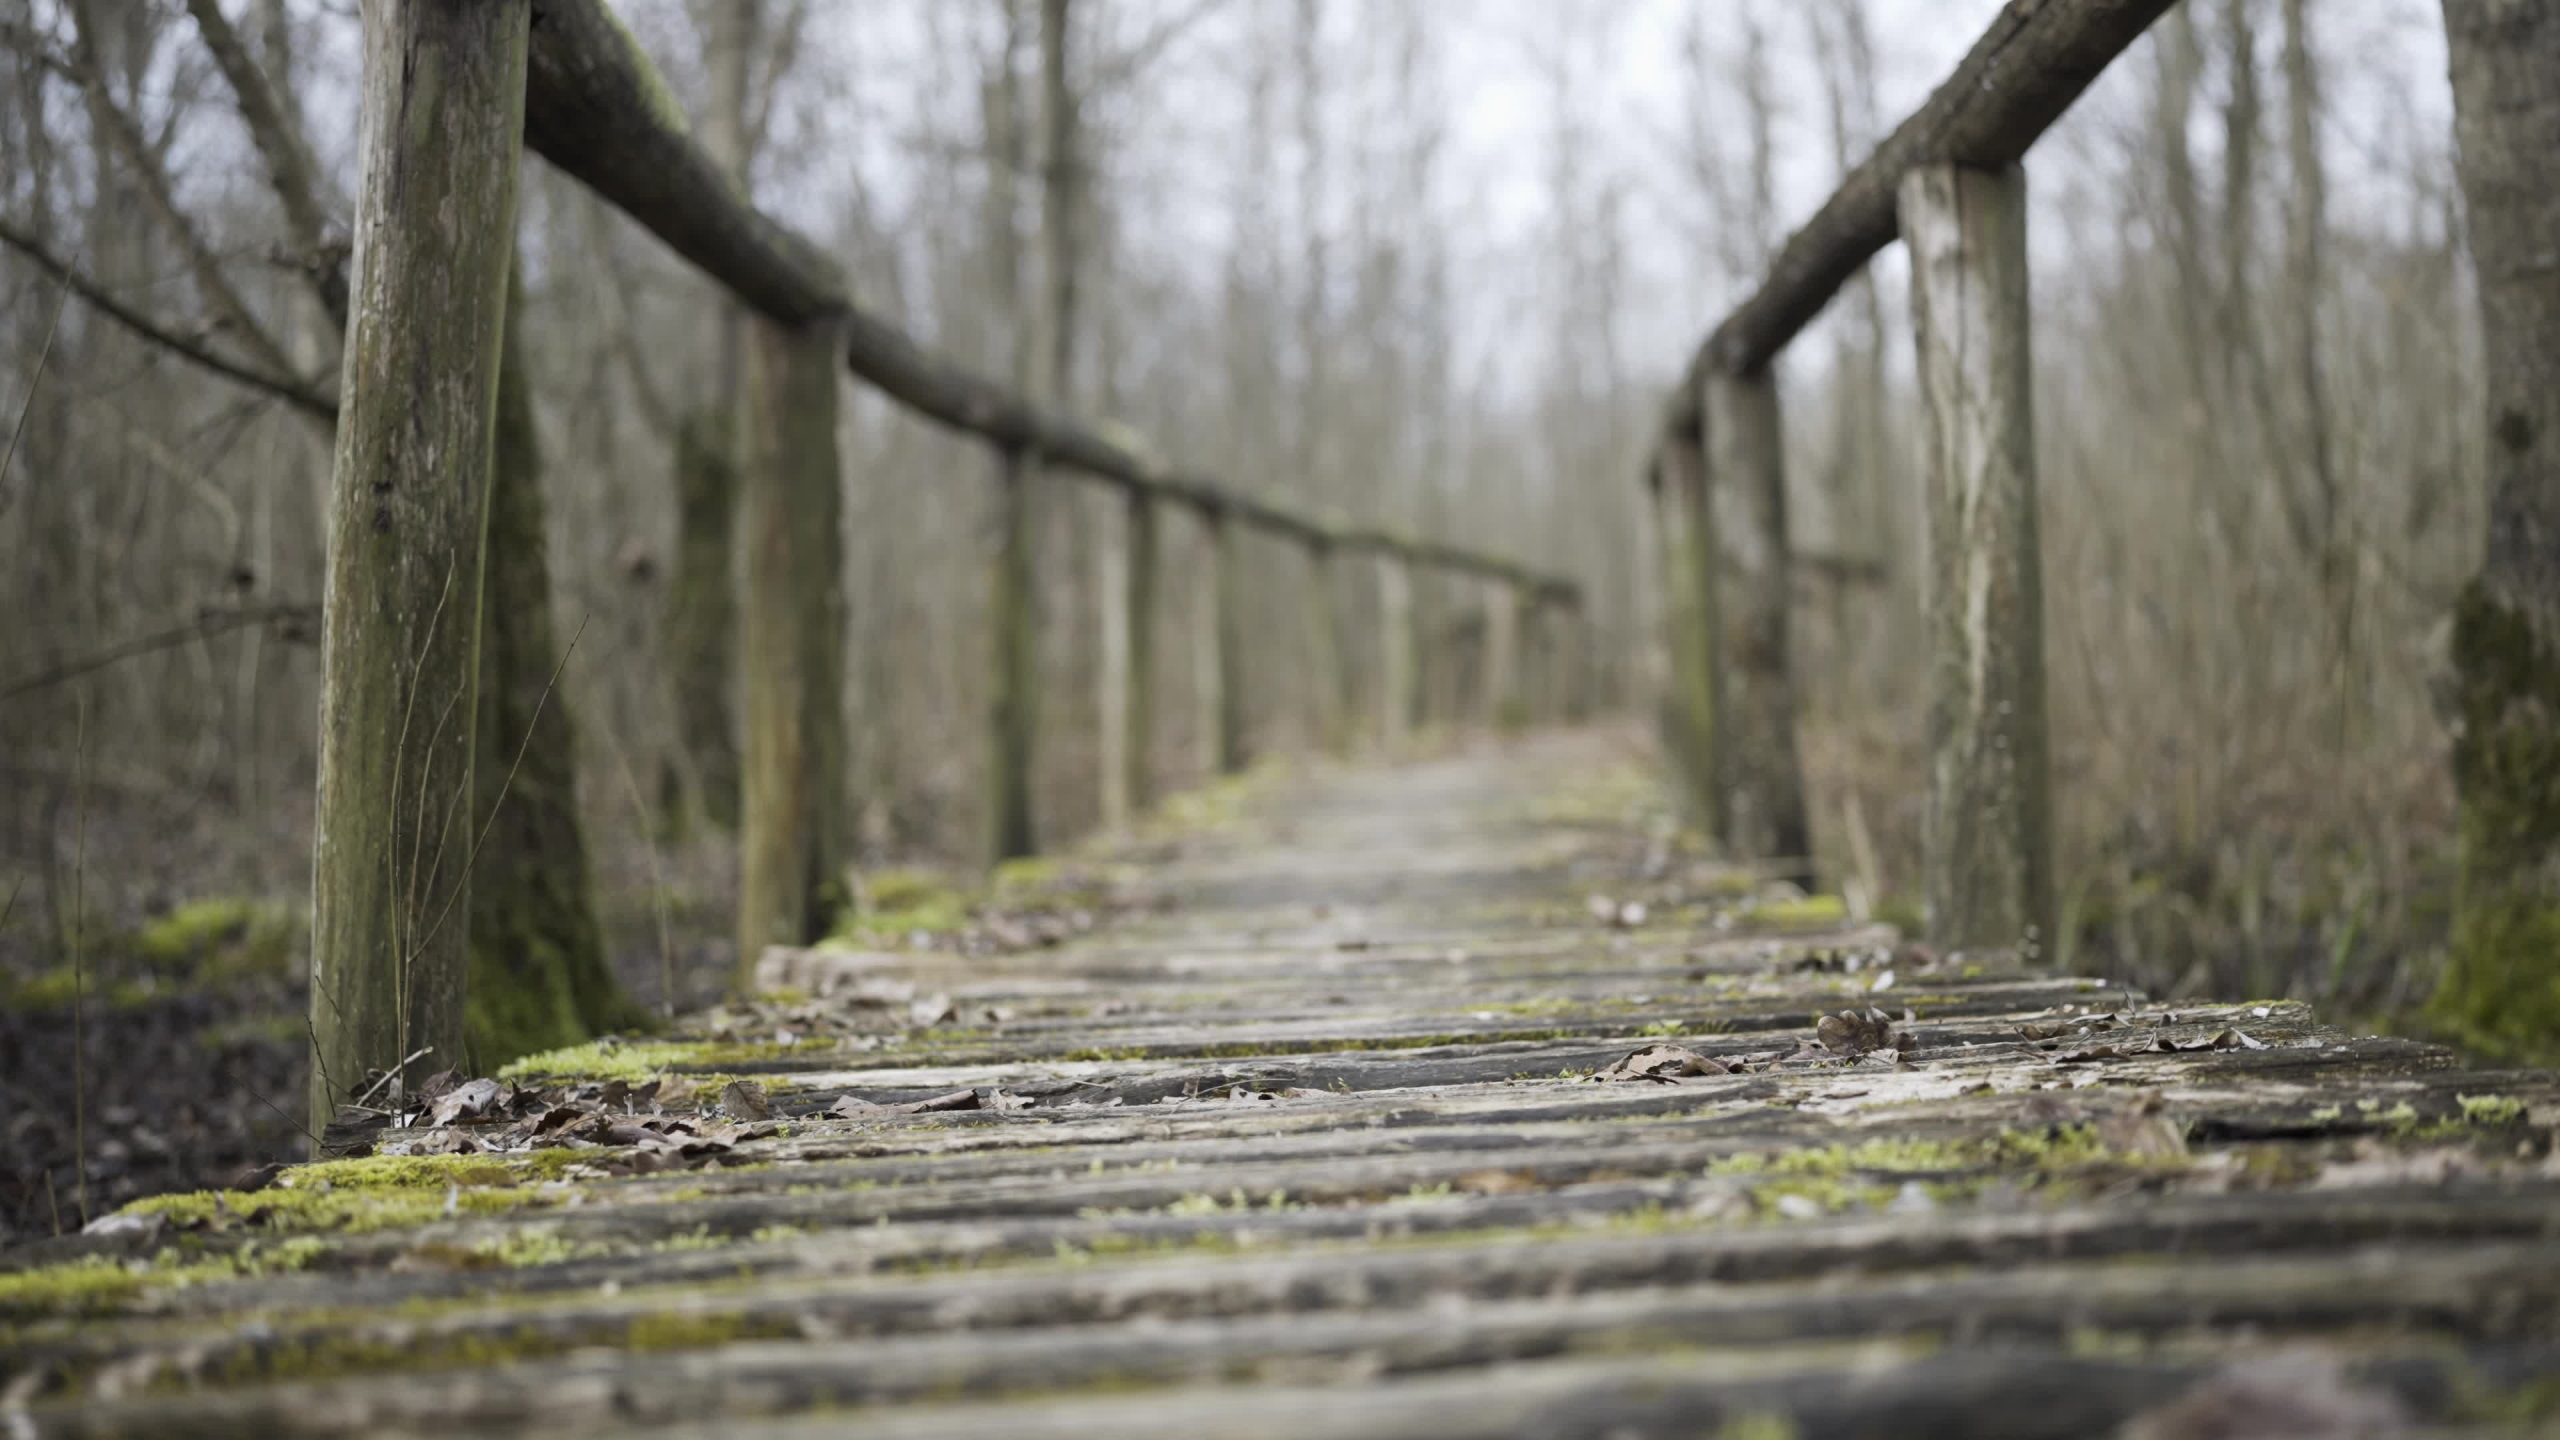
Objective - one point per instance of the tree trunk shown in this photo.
(2503, 985)
(702, 608)
(538, 977)
(443, 121)
(1759, 774)
(1988, 851)
(791, 641)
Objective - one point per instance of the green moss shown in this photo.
(1902, 912)
(1824, 1173)
(2500, 991)
(890, 905)
(2491, 1109)
(1812, 912)
(1246, 1049)
(702, 1329)
(97, 1285)
(660, 102)
(370, 1193)
(222, 938)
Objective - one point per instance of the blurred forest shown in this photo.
(1418, 264)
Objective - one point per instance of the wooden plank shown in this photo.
(1434, 1201)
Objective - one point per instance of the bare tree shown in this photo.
(2506, 86)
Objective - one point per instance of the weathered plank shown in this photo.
(1271, 1127)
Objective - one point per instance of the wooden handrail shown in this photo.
(2037, 57)
(597, 109)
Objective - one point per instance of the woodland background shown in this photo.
(1423, 264)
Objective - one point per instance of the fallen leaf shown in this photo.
(747, 1100)
(471, 1100)
(1853, 1033)
(1663, 1064)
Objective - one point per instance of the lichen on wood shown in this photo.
(443, 100)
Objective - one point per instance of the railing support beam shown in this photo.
(1328, 683)
(1988, 848)
(1499, 702)
(1397, 695)
(791, 640)
(1222, 648)
(1759, 776)
(1013, 657)
(1129, 665)
(1691, 639)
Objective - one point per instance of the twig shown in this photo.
(35, 382)
(293, 392)
(387, 1076)
(291, 172)
(657, 876)
(209, 622)
(522, 745)
(79, 967)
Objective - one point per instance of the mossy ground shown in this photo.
(213, 944)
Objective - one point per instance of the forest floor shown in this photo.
(1445, 1099)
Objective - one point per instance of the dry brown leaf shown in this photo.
(747, 1100)
(1853, 1032)
(1662, 1064)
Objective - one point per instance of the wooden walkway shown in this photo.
(1310, 1144)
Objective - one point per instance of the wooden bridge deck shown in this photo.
(1313, 1147)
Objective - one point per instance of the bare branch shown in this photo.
(291, 171)
(290, 620)
(120, 130)
(300, 394)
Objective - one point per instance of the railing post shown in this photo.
(791, 640)
(1501, 701)
(1129, 706)
(1396, 694)
(443, 101)
(1536, 683)
(1014, 656)
(1328, 706)
(1988, 854)
(1691, 634)
(1759, 776)
(1221, 647)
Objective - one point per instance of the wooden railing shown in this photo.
(595, 108)
(1948, 183)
